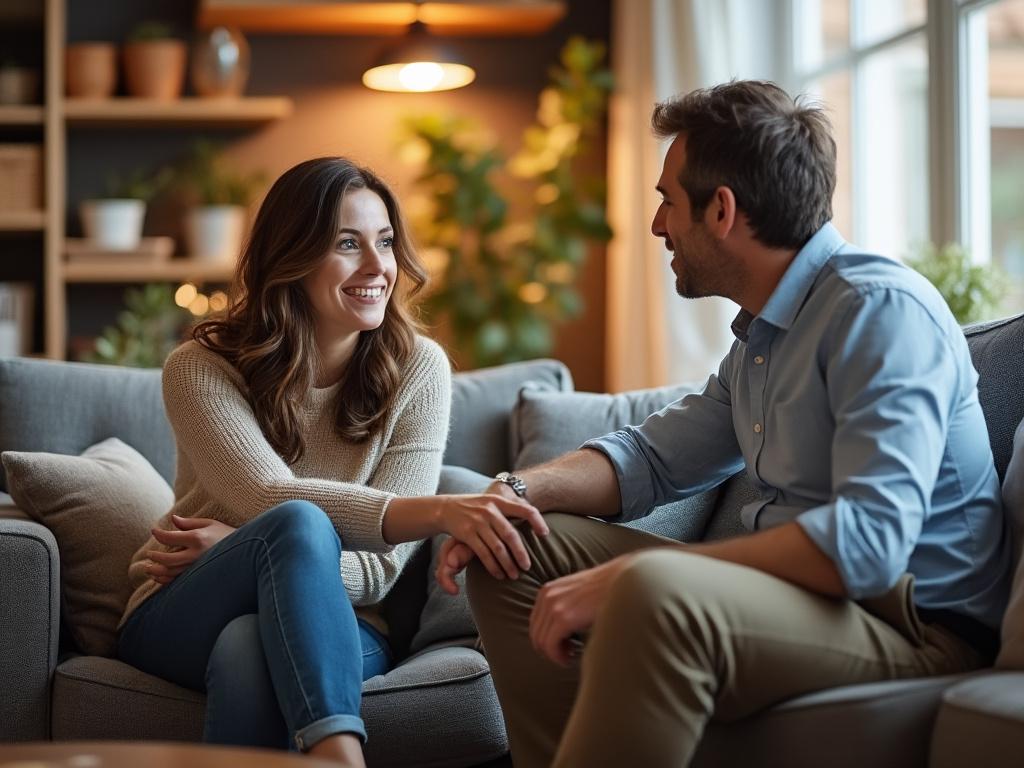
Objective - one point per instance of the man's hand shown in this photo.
(568, 606)
(194, 536)
(452, 559)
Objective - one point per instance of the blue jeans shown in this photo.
(262, 623)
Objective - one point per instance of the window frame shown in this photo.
(958, 201)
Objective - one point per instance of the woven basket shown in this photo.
(21, 177)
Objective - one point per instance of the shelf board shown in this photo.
(366, 17)
(190, 111)
(171, 271)
(22, 221)
(21, 115)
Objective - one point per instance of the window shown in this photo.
(927, 100)
(867, 60)
(994, 64)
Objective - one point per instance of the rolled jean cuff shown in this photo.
(315, 732)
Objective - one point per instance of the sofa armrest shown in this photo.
(30, 621)
(980, 722)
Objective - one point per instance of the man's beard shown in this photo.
(693, 279)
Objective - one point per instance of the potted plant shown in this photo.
(147, 330)
(217, 216)
(114, 221)
(90, 70)
(18, 85)
(154, 62)
(972, 291)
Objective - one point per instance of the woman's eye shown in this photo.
(347, 244)
(386, 242)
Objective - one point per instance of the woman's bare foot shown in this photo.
(345, 749)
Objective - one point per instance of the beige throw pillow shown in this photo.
(100, 507)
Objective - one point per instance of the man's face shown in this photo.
(699, 266)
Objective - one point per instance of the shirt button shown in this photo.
(759, 360)
(757, 428)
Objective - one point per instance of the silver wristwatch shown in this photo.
(515, 482)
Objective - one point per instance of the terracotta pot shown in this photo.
(155, 69)
(91, 70)
(19, 85)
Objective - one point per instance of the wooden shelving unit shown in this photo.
(183, 113)
(380, 17)
(22, 115)
(171, 271)
(50, 122)
(22, 221)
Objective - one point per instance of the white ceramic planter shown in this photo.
(214, 232)
(114, 225)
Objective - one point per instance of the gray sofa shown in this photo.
(438, 706)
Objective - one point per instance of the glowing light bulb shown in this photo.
(185, 294)
(421, 75)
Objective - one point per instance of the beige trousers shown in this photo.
(681, 639)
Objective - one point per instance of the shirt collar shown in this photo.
(789, 295)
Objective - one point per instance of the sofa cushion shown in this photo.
(980, 723)
(478, 437)
(438, 708)
(66, 407)
(547, 424)
(996, 350)
(882, 725)
(1011, 652)
(100, 507)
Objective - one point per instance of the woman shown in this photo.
(310, 421)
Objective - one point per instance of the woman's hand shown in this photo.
(482, 522)
(194, 536)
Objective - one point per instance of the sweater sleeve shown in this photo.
(217, 430)
(410, 466)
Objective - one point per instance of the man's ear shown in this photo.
(720, 213)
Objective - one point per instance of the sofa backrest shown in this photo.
(66, 407)
(997, 349)
(482, 402)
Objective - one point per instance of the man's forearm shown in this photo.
(785, 552)
(582, 482)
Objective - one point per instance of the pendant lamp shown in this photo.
(418, 63)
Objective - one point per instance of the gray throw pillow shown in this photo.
(1011, 654)
(444, 616)
(100, 507)
(547, 424)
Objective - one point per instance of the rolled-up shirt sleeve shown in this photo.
(892, 381)
(683, 449)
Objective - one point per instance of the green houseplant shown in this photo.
(972, 291)
(219, 197)
(147, 329)
(114, 220)
(504, 284)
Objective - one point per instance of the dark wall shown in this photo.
(335, 114)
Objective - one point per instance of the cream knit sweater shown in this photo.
(228, 471)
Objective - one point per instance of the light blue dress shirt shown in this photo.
(851, 400)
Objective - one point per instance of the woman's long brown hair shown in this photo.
(268, 331)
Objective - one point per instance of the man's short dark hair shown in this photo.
(775, 153)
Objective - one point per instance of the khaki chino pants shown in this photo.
(681, 638)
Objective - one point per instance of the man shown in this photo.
(849, 397)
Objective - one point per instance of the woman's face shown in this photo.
(351, 288)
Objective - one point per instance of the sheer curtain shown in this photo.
(661, 48)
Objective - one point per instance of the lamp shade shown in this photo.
(418, 63)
